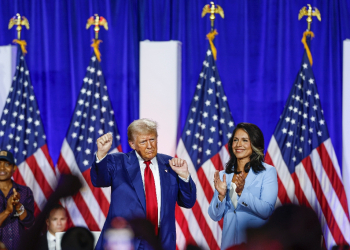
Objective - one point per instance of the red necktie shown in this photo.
(151, 197)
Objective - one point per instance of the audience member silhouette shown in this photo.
(77, 238)
(290, 227)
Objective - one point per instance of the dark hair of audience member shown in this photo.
(256, 138)
(77, 238)
(341, 247)
(293, 227)
(54, 207)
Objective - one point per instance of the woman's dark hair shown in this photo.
(256, 138)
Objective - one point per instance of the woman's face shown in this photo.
(241, 145)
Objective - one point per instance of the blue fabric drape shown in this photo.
(259, 53)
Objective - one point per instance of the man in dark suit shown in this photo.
(56, 221)
(144, 184)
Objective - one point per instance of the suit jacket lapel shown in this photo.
(250, 178)
(133, 168)
(164, 176)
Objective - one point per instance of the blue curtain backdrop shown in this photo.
(259, 54)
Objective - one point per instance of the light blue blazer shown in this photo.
(254, 206)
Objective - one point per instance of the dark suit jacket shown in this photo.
(42, 243)
(122, 172)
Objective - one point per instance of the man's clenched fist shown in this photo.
(104, 144)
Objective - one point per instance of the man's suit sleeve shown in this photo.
(102, 173)
(187, 194)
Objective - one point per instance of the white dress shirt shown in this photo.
(51, 241)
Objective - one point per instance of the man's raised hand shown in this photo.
(180, 167)
(104, 144)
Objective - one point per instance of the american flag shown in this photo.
(203, 145)
(306, 164)
(22, 133)
(93, 116)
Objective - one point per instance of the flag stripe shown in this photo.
(180, 237)
(39, 176)
(94, 208)
(282, 193)
(283, 173)
(335, 181)
(79, 201)
(46, 169)
(183, 226)
(30, 181)
(299, 192)
(194, 228)
(336, 232)
(98, 193)
(310, 194)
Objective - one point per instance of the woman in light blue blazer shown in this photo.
(246, 191)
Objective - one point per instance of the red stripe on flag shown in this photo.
(299, 192)
(39, 176)
(79, 200)
(327, 212)
(120, 148)
(207, 189)
(282, 192)
(98, 193)
(181, 220)
(17, 177)
(47, 155)
(62, 166)
(85, 212)
(333, 177)
(268, 159)
(208, 235)
(216, 160)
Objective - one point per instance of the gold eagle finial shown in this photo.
(212, 10)
(309, 13)
(97, 21)
(19, 21)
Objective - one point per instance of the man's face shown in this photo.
(6, 170)
(145, 145)
(57, 221)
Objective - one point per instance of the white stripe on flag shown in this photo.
(85, 191)
(329, 146)
(180, 238)
(330, 195)
(309, 192)
(31, 182)
(224, 156)
(194, 228)
(282, 169)
(46, 168)
(74, 212)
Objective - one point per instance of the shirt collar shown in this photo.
(141, 161)
(50, 237)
